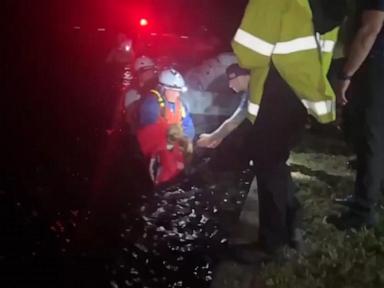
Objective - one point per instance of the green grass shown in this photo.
(332, 259)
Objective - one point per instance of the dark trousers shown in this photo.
(277, 129)
(279, 126)
(365, 120)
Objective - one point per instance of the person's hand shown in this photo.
(339, 118)
(208, 141)
(341, 91)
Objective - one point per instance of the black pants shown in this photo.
(279, 126)
(365, 119)
(277, 129)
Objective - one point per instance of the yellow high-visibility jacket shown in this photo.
(282, 32)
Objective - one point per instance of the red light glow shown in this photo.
(143, 22)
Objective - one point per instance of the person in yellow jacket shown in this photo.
(288, 61)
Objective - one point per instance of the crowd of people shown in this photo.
(284, 51)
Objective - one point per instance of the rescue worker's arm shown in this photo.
(214, 139)
(188, 127)
(372, 23)
(189, 133)
(149, 112)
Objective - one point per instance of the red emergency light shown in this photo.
(143, 22)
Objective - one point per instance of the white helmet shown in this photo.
(171, 79)
(143, 63)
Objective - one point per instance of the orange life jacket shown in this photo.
(171, 117)
(153, 141)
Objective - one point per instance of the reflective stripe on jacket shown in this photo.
(281, 32)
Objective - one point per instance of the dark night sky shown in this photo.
(34, 26)
(119, 12)
(36, 29)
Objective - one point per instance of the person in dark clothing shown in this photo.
(268, 143)
(229, 138)
(270, 140)
(146, 80)
(238, 81)
(364, 69)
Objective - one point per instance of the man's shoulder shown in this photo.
(149, 93)
(149, 110)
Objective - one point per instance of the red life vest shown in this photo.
(153, 140)
(170, 164)
(171, 117)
